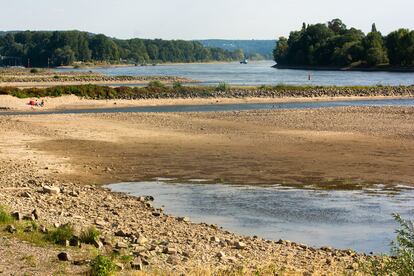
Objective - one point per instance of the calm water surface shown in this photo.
(260, 73)
(357, 219)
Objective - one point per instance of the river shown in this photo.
(259, 73)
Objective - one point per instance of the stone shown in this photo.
(240, 245)
(136, 264)
(173, 260)
(98, 244)
(121, 245)
(157, 214)
(11, 229)
(220, 255)
(64, 257)
(142, 240)
(30, 217)
(35, 214)
(26, 194)
(75, 241)
(170, 250)
(43, 229)
(51, 190)
(122, 233)
(184, 219)
(17, 216)
(214, 239)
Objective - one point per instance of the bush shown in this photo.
(62, 233)
(177, 85)
(223, 86)
(34, 71)
(102, 266)
(402, 261)
(90, 235)
(155, 84)
(5, 217)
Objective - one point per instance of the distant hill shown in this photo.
(252, 48)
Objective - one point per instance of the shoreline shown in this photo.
(13, 104)
(344, 69)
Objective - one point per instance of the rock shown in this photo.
(240, 245)
(11, 229)
(26, 194)
(184, 219)
(51, 190)
(136, 264)
(30, 217)
(81, 262)
(98, 244)
(142, 240)
(35, 214)
(214, 239)
(64, 257)
(119, 266)
(157, 214)
(75, 241)
(43, 229)
(17, 216)
(220, 255)
(173, 260)
(100, 222)
(122, 233)
(170, 250)
(121, 245)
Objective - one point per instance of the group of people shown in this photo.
(36, 103)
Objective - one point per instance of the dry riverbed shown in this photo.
(338, 147)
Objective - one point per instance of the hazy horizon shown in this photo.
(189, 20)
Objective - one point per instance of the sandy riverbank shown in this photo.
(336, 147)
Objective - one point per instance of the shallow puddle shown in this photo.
(357, 219)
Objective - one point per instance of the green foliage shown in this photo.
(177, 85)
(102, 266)
(402, 261)
(65, 47)
(60, 234)
(223, 86)
(5, 217)
(334, 45)
(34, 71)
(90, 235)
(155, 85)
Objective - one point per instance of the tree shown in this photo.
(281, 51)
(375, 51)
(337, 26)
(63, 56)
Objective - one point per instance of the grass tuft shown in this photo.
(90, 235)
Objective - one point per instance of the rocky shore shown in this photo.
(50, 163)
(131, 226)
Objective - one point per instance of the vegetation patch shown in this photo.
(102, 266)
(401, 262)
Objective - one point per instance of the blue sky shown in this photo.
(199, 19)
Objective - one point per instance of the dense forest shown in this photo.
(42, 49)
(253, 49)
(335, 45)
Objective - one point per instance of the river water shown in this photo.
(260, 73)
(225, 107)
(357, 219)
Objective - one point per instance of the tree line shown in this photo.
(335, 45)
(41, 49)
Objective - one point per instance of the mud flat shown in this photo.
(336, 148)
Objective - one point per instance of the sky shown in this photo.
(201, 19)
